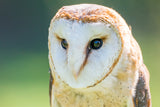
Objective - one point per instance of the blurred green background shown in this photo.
(24, 76)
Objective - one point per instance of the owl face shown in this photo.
(83, 53)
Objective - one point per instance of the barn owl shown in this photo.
(94, 60)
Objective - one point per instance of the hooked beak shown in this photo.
(77, 61)
(75, 74)
(76, 66)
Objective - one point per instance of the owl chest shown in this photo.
(68, 97)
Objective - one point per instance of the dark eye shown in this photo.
(96, 43)
(64, 43)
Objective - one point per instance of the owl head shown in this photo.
(90, 43)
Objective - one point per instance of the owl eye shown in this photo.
(96, 43)
(64, 44)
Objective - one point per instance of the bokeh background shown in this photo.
(24, 76)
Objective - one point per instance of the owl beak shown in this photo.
(81, 67)
(75, 70)
(75, 63)
(75, 74)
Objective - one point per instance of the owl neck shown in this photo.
(94, 96)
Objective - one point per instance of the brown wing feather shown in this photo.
(142, 96)
(50, 85)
